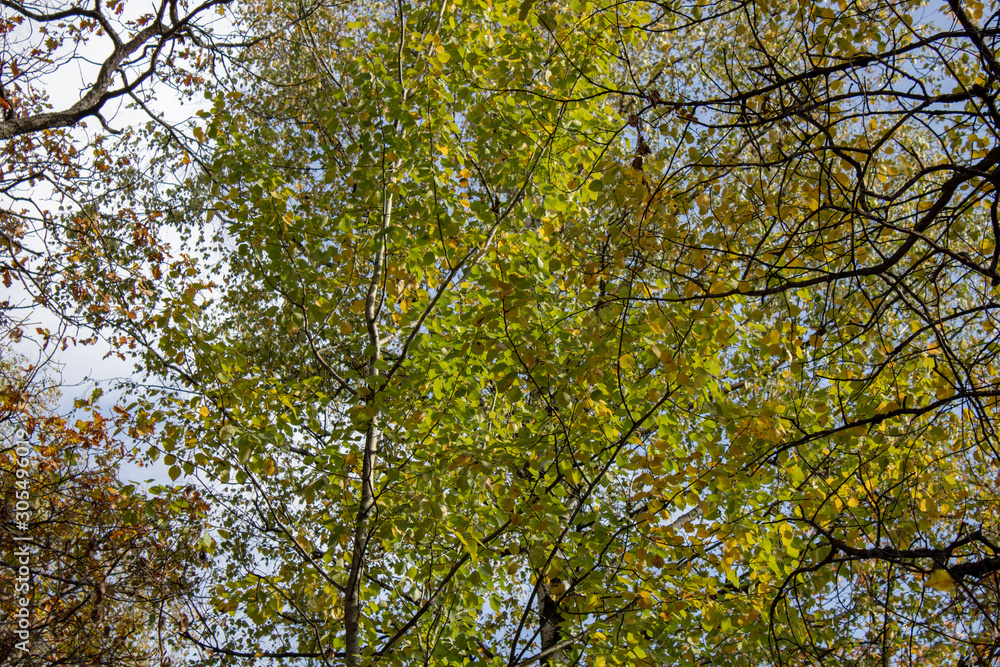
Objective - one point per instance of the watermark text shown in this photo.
(22, 554)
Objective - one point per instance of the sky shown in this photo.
(79, 370)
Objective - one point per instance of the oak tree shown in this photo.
(94, 571)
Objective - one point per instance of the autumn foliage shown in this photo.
(580, 333)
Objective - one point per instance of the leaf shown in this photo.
(471, 547)
(941, 580)
(524, 9)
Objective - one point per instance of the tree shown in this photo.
(93, 570)
(572, 333)
(78, 251)
(77, 240)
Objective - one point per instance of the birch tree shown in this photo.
(596, 333)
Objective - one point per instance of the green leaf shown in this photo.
(524, 9)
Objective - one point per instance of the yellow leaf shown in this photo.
(203, 411)
(929, 506)
(352, 459)
(941, 580)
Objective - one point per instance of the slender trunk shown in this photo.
(352, 594)
(552, 596)
(352, 598)
(550, 621)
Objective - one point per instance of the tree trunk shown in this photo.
(352, 598)
(550, 621)
(352, 595)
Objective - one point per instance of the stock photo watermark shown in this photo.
(22, 554)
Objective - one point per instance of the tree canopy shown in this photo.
(585, 333)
